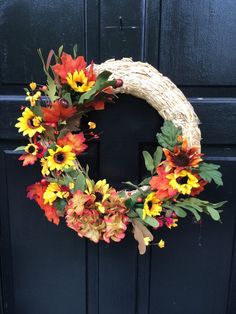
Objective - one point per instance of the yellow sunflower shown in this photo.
(53, 192)
(152, 205)
(183, 181)
(99, 191)
(60, 158)
(31, 149)
(78, 81)
(29, 123)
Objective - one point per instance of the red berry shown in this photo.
(118, 83)
(64, 102)
(53, 125)
(43, 182)
(44, 87)
(140, 200)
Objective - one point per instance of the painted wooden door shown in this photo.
(48, 269)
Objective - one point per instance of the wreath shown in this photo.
(96, 210)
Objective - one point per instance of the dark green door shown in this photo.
(48, 269)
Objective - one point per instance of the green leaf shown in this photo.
(80, 182)
(60, 205)
(214, 213)
(209, 172)
(52, 89)
(75, 50)
(148, 161)
(132, 214)
(37, 110)
(157, 156)
(19, 148)
(26, 90)
(60, 51)
(168, 137)
(131, 184)
(139, 212)
(151, 222)
(145, 181)
(179, 211)
(101, 83)
(67, 96)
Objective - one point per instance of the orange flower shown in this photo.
(35, 192)
(68, 65)
(202, 183)
(76, 141)
(182, 157)
(57, 112)
(161, 184)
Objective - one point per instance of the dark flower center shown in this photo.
(182, 180)
(149, 204)
(59, 158)
(31, 149)
(181, 160)
(99, 196)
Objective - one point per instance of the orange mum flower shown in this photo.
(161, 184)
(68, 65)
(182, 157)
(57, 112)
(35, 192)
(76, 141)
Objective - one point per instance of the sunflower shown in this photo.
(152, 205)
(182, 157)
(99, 191)
(31, 149)
(60, 158)
(183, 181)
(78, 81)
(52, 192)
(29, 123)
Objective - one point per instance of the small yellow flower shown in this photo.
(147, 241)
(71, 185)
(78, 81)
(29, 123)
(161, 244)
(53, 192)
(92, 125)
(60, 158)
(33, 98)
(33, 85)
(152, 205)
(45, 171)
(174, 223)
(183, 181)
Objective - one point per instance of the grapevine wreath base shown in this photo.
(95, 210)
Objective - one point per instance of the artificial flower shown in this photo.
(60, 158)
(99, 191)
(183, 181)
(146, 240)
(198, 190)
(86, 222)
(68, 65)
(57, 112)
(33, 85)
(152, 206)
(30, 155)
(169, 222)
(182, 157)
(78, 81)
(161, 185)
(92, 125)
(45, 168)
(33, 98)
(161, 244)
(116, 225)
(54, 191)
(36, 191)
(29, 123)
(76, 142)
